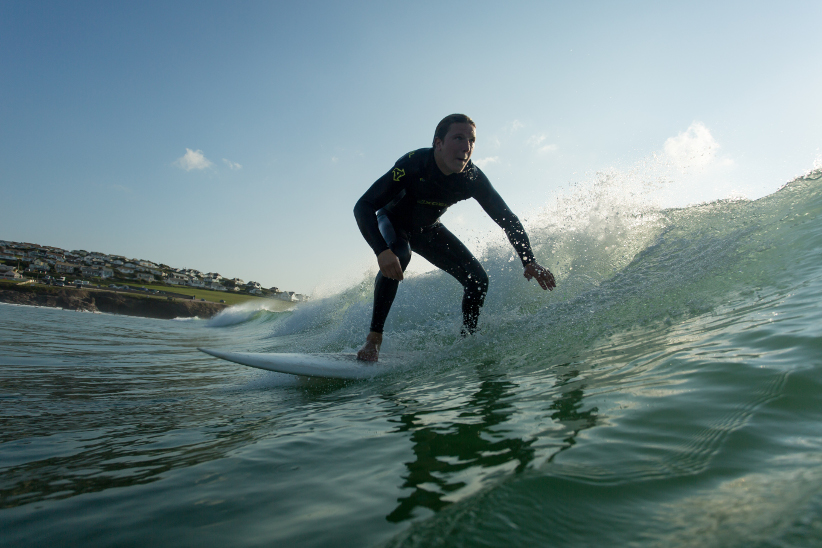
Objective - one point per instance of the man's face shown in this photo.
(453, 152)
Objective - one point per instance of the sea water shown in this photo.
(667, 393)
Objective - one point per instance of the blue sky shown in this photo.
(236, 137)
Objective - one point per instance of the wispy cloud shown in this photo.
(694, 148)
(484, 162)
(193, 159)
(121, 188)
(515, 125)
(232, 165)
(536, 141)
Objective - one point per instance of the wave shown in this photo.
(259, 311)
(622, 263)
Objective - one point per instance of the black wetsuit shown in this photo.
(401, 211)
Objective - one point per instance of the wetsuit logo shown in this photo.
(398, 173)
(427, 202)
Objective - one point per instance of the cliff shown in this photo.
(93, 300)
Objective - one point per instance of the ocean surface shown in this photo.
(667, 393)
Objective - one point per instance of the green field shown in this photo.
(229, 297)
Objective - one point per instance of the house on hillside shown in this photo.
(145, 276)
(177, 279)
(39, 265)
(65, 268)
(96, 272)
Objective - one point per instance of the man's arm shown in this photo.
(365, 211)
(498, 210)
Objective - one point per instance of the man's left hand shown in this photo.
(543, 276)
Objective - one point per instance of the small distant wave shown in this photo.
(186, 319)
(249, 311)
(29, 305)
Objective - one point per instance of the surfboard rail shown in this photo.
(329, 366)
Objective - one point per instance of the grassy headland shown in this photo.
(93, 299)
(230, 298)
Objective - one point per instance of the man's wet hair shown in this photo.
(445, 125)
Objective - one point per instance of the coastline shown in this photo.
(110, 302)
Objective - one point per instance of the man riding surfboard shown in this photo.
(400, 214)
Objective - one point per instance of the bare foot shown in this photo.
(370, 351)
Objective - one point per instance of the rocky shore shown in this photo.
(94, 300)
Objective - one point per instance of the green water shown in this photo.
(667, 393)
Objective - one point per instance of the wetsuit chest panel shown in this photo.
(428, 194)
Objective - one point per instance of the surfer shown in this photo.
(401, 212)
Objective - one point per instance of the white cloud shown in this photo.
(483, 162)
(536, 142)
(193, 159)
(694, 148)
(515, 125)
(234, 166)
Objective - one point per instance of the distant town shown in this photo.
(19, 261)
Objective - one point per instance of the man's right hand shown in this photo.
(389, 265)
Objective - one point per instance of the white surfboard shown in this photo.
(329, 366)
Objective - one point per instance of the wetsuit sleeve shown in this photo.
(378, 196)
(495, 207)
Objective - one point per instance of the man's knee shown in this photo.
(477, 283)
(483, 281)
